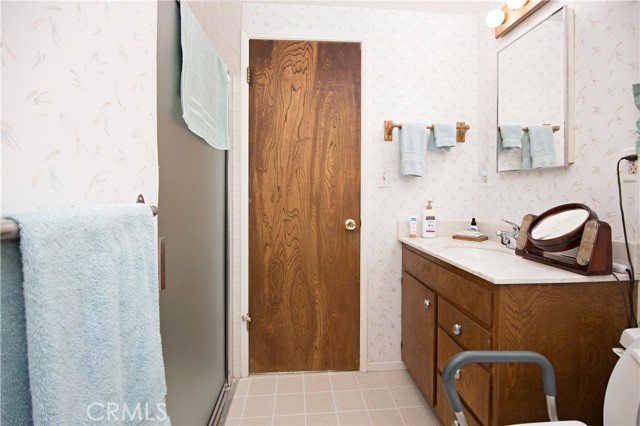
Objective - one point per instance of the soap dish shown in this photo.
(470, 236)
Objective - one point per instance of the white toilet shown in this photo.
(622, 399)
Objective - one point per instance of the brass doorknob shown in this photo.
(350, 224)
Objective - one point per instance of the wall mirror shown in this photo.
(534, 87)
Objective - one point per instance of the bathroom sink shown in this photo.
(488, 253)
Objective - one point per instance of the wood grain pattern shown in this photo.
(475, 300)
(472, 335)
(474, 383)
(573, 325)
(444, 411)
(419, 334)
(304, 182)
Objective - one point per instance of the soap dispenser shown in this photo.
(429, 221)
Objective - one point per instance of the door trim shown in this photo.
(244, 190)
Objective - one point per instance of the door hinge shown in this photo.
(247, 320)
(248, 75)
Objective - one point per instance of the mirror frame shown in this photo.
(568, 65)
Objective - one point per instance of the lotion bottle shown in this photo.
(413, 226)
(429, 222)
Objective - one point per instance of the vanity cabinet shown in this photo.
(574, 325)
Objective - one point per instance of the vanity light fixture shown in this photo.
(516, 4)
(511, 14)
(495, 18)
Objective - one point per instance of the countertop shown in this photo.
(495, 263)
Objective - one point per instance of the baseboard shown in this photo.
(386, 366)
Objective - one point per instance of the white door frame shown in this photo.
(244, 190)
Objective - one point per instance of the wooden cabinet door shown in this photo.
(418, 334)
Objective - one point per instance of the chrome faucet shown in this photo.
(509, 239)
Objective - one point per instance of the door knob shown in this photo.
(350, 224)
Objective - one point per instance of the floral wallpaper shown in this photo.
(417, 67)
(442, 68)
(78, 103)
(606, 51)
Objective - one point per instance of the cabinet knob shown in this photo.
(426, 303)
(457, 374)
(455, 423)
(457, 329)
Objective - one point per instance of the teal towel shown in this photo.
(15, 397)
(525, 162)
(204, 84)
(443, 136)
(91, 303)
(542, 145)
(510, 136)
(413, 148)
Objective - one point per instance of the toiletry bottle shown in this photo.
(474, 225)
(413, 226)
(429, 222)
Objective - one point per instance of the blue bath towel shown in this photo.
(542, 145)
(510, 136)
(15, 396)
(204, 84)
(443, 136)
(91, 304)
(413, 148)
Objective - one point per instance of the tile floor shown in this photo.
(335, 398)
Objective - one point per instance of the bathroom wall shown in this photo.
(416, 67)
(607, 50)
(78, 103)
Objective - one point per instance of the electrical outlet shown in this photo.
(383, 179)
(484, 179)
(628, 169)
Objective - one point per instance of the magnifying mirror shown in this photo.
(560, 228)
(550, 237)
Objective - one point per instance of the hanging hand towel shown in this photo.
(92, 315)
(526, 152)
(542, 145)
(443, 136)
(204, 85)
(510, 136)
(413, 148)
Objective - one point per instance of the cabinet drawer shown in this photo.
(445, 412)
(471, 297)
(474, 383)
(465, 331)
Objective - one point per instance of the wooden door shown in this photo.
(304, 183)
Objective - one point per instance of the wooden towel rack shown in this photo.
(461, 130)
(554, 128)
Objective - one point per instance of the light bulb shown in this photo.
(494, 18)
(516, 4)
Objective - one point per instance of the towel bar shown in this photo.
(10, 231)
(554, 128)
(389, 125)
